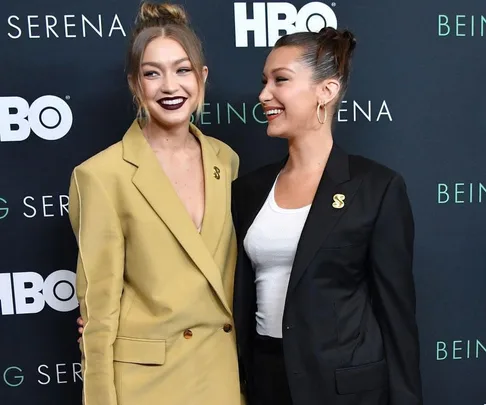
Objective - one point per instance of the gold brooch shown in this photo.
(338, 201)
(217, 172)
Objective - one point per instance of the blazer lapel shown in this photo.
(155, 186)
(323, 216)
(216, 184)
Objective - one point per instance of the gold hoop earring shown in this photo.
(319, 113)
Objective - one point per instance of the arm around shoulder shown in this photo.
(99, 281)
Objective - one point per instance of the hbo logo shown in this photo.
(267, 23)
(49, 117)
(30, 292)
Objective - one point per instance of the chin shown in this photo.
(275, 133)
(171, 121)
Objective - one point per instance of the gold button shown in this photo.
(227, 328)
(188, 334)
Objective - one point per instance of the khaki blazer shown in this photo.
(156, 295)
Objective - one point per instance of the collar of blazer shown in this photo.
(323, 216)
(155, 186)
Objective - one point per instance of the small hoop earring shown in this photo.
(142, 112)
(142, 116)
(319, 113)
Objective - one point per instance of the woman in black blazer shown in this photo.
(324, 301)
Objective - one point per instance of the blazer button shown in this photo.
(187, 334)
(227, 327)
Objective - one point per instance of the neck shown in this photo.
(309, 152)
(162, 138)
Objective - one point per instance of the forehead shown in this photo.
(286, 56)
(164, 50)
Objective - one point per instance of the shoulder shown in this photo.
(221, 148)
(378, 179)
(372, 170)
(256, 177)
(103, 163)
(225, 154)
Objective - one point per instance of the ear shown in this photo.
(328, 90)
(205, 72)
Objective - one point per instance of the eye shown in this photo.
(184, 70)
(150, 73)
(264, 81)
(280, 79)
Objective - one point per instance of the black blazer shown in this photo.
(349, 330)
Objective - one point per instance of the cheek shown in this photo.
(149, 88)
(193, 91)
(308, 104)
(196, 92)
(190, 85)
(300, 106)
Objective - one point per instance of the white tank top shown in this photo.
(271, 243)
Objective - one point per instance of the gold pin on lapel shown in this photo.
(216, 174)
(338, 201)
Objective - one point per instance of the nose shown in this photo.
(265, 95)
(169, 84)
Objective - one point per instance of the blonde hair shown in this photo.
(167, 21)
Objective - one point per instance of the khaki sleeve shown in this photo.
(99, 282)
(235, 165)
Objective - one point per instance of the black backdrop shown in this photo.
(416, 103)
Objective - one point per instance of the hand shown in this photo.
(80, 329)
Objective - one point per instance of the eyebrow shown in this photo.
(160, 66)
(280, 68)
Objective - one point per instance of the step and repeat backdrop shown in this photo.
(416, 103)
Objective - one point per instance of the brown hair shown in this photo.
(328, 53)
(168, 21)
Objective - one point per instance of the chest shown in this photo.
(296, 190)
(187, 179)
(274, 235)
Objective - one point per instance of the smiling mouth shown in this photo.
(172, 103)
(273, 113)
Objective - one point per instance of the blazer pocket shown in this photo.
(139, 351)
(367, 377)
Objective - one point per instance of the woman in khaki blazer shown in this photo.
(156, 242)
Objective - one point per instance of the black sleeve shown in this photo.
(393, 293)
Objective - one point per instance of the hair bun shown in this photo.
(327, 34)
(340, 43)
(158, 14)
(349, 37)
(331, 34)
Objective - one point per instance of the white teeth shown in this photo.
(172, 102)
(273, 112)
